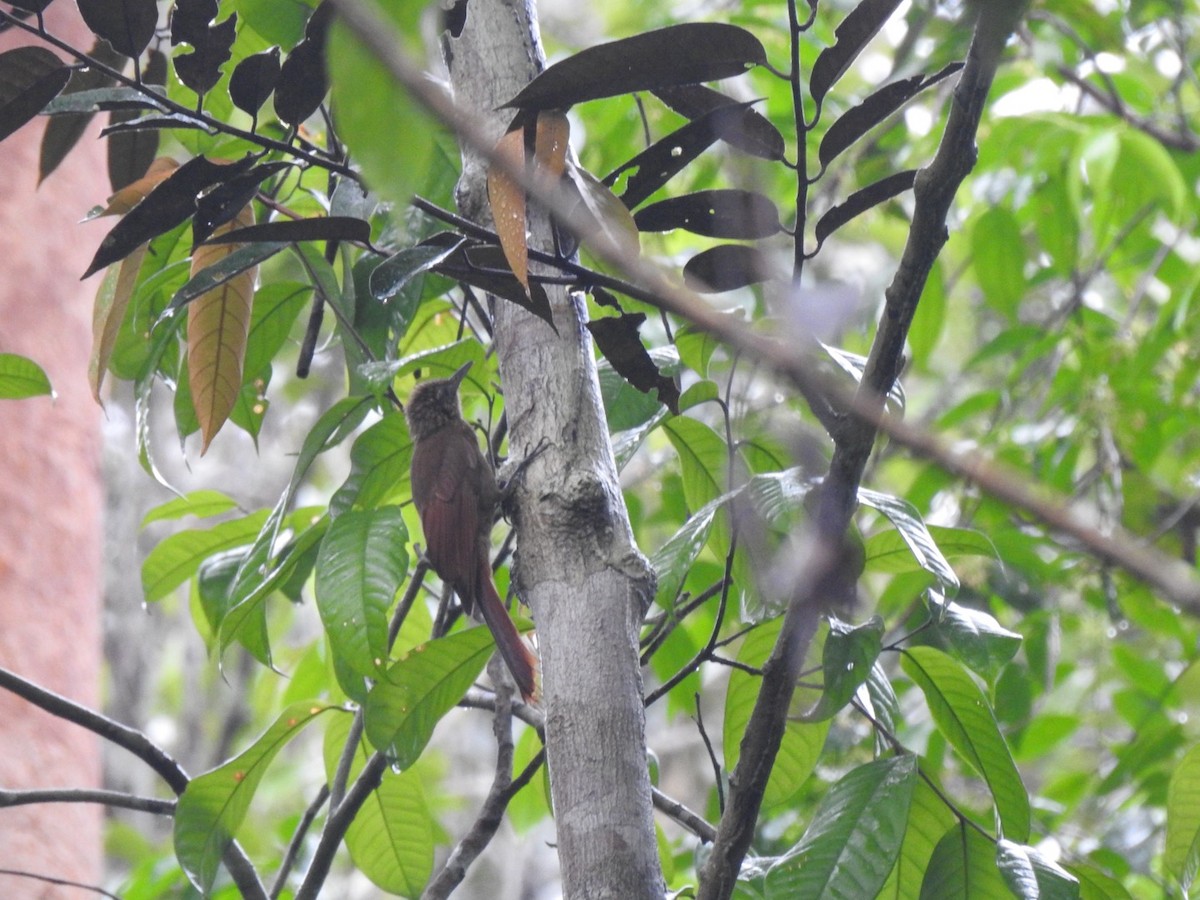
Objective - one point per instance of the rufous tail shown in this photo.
(517, 655)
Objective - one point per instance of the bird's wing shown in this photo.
(450, 515)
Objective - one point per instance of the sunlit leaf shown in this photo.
(21, 377)
(963, 867)
(965, 718)
(214, 805)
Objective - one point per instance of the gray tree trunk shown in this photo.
(577, 564)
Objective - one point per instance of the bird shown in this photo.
(457, 499)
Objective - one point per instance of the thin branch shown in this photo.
(337, 824)
(297, 841)
(712, 755)
(115, 799)
(240, 868)
(692, 821)
(491, 813)
(62, 882)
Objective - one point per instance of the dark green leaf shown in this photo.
(858, 120)
(254, 80)
(167, 206)
(726, 267)
(853, 840)
(30, 77)
(912, 528)
(750, 132)
(63, 132)
(724, 213)
(860, 201)
(213, 806)
(666, 157)
(847, 660)
(362, 562)
(224, 202)
(679, 54)
(975, 638)
(302, 85)
(128, 25)
(201, 69)
(1029, 874)
(405, 706)
(391, 275)
(619, 341)
(853, 34)
(321, 228)
(964, 717)
(215, 275)
(130, 153)
(963, 867)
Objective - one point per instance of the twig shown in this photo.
(240, 868)
(690, 820)
(491, 814)
(63, 882)
(115, 799)
(712, 755)
(297, 841)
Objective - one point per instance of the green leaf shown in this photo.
(202, 504)
(999, 260)
(21, 377)
(703, 458)
(213, 806)
(379, 467)
(802, 742)
(361, 564)
(391, 839)
(178, 557)
(974, 637)
(404, 707)
(928, 819)
(1032, 875)
(1182, 856)
(854, 838)
(915, 534)
(1096, 885)
(362, 87)
(847, 660)
(963, 716)
(890, 551)
(673, 560)
(963, 867)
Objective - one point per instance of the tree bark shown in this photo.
(51, 497)
(577, 565)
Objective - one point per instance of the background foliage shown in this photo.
(992, 705)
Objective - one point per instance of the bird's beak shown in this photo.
(457, 378)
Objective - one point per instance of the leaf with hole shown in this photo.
(679, 54)
(751, 132)
(852, 36)
(666, 157)
(619, 341)
(721, 213)
(405, 705)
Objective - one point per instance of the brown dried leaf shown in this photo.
(550, 147)
(111, 302)
(218, 327)
(131, 195)
(507, 199)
